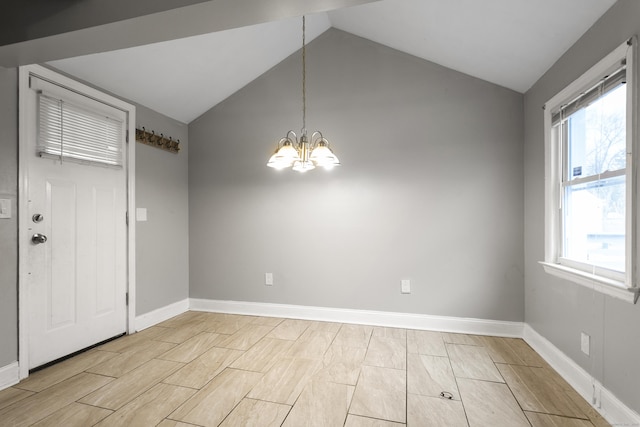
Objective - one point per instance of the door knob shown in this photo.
(38, 238)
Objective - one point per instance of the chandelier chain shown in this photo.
(304, 78)
(305, 153)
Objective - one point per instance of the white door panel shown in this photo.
(77, 279)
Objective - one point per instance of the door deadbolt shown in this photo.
(38, 238)
(37, 218)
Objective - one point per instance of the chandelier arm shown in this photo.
(312, 141)
(293, 140)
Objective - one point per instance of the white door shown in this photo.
(77, 248)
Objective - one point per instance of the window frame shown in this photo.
(79, 109)
(600, 279)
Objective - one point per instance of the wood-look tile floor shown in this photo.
(210, 369)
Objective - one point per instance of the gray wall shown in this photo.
(430, 188)
(162, 242)
(9, 227)
(557, 309)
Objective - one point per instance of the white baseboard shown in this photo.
(609, 406)
(364, 317)
(9, 375)
(154, 317)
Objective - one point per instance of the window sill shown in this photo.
(600, 284)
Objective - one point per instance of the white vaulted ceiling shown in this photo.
(507, 42)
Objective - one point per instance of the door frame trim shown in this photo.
(23, 185)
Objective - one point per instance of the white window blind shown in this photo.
(607, 84)
(75, 133)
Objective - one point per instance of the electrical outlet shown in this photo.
(405, 286)
(585, 343)
(268, 279)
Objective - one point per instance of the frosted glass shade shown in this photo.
(323, 156)
(284, 157)
(303, 166)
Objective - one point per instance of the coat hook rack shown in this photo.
(162, 142)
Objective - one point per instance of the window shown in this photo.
(589, 163)
(76, 128)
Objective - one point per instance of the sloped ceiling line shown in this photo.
(510, 43)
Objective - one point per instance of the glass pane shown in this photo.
(596, 136)
(73, 132)
(594, 223)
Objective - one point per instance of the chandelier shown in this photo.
(305, 153)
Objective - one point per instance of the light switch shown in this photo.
(585, 343)
(5, 208)
(141, 214)
(405, 286)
